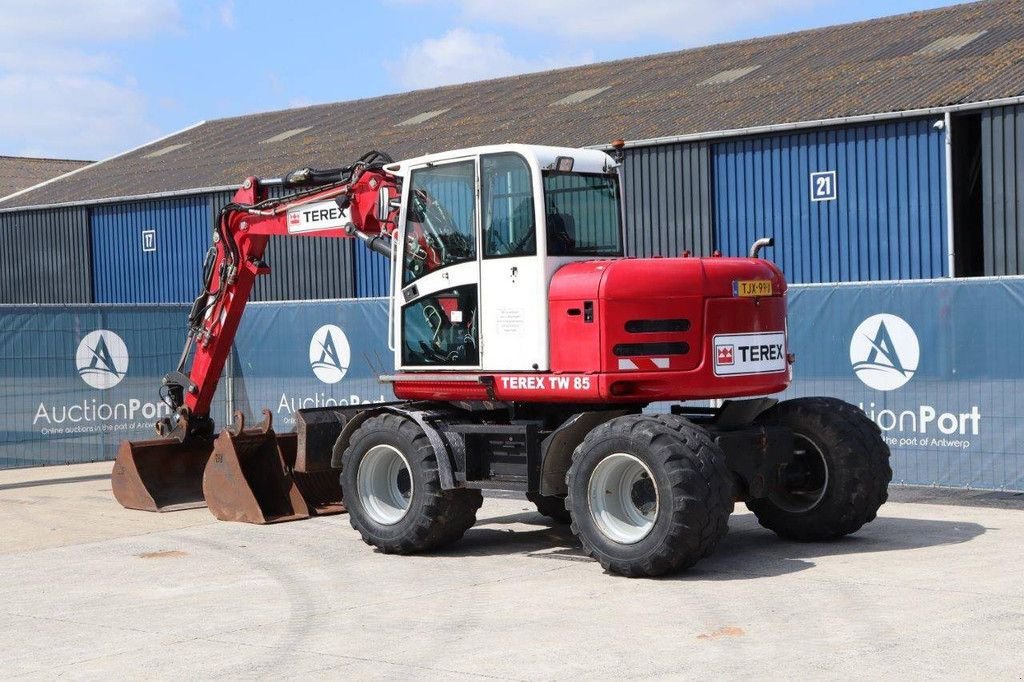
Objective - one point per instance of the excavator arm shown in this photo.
(250, 475)
(351, 202)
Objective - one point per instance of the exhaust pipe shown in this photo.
(761, 243)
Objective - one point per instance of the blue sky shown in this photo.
(90, 78)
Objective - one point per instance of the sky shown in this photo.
(86, 79)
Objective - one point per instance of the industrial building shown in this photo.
(890, 149)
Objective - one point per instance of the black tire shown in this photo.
(434, 517)
(551, 507)
(840, 439)
(694, 493)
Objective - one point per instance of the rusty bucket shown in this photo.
(163, 474)
(246, 478)
(321, 489)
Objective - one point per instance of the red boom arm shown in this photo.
(236, 259)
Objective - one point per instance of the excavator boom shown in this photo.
(249, 475)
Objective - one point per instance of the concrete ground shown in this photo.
(90, 590)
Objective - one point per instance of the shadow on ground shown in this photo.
(748, 551)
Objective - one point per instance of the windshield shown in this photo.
(583, 216)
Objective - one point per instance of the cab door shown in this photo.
(514, 293)
(438, 280)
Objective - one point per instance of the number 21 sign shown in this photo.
(823, 186)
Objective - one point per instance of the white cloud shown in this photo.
(460, 56)
(63, 94)
(83, 21)
(686, 21)
(71, 116)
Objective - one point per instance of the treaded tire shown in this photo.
(693, 484)
(551, 507)
(857, 462)
(435, 517)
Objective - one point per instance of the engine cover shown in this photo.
(671, 328)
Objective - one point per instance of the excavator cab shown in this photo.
(501, 220)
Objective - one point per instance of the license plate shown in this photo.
(752, 288)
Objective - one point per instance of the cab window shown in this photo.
(441, 329)
(582, 214)
(440, 219)
(509, 228)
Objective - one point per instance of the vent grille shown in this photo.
(633, 349)
(648, 326)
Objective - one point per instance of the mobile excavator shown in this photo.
(526, 349)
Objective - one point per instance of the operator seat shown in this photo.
(561, 234)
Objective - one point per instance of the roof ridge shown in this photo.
(44, 158)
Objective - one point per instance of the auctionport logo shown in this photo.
(102, 359)
(329, 354)
(884, 352)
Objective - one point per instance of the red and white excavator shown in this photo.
(526, 347)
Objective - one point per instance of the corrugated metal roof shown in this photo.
(863, 68)
(19, 172)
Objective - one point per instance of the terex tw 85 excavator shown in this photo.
(526, 348)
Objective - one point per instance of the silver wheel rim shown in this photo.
(384, 484)
(623, 498)
(809, 495)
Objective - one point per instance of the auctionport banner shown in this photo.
(77, 380)
(311, 354)
(937, 365)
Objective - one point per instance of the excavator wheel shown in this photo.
(839, 475)
(393, 490)
(649, 494)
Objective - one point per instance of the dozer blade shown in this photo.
(164, 474)
(246, 478)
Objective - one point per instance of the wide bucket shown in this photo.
(246, 478)
(163, 474)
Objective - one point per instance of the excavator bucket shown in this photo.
(246, 478)
(320, 489)
(163, 474)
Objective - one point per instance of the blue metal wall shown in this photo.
(371, 273)
(124, 273)
(888, 220)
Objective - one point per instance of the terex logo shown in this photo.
(323, 215)
(329, 354)
(884, 352)
(726, 355)
(754, 353)
(102, 359)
